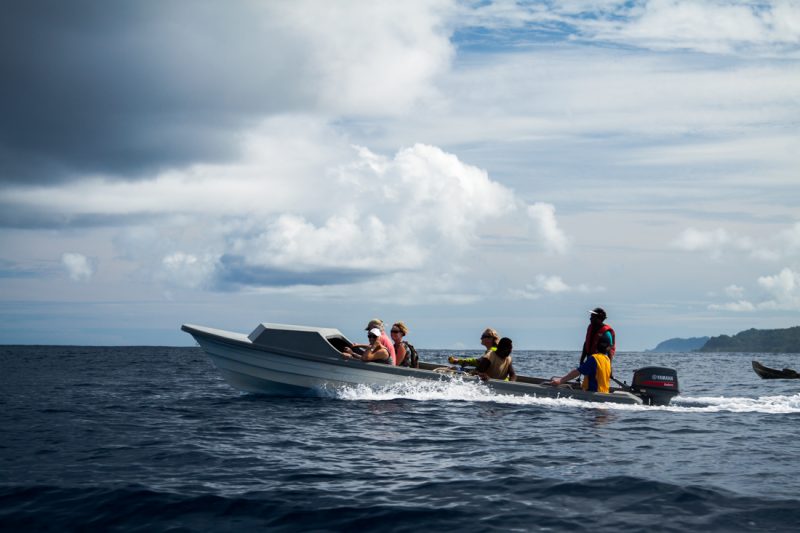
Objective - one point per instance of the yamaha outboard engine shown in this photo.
(656, 384)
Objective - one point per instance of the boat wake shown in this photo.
(714, 404)
(470, 391)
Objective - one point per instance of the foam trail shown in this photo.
(470, 391)
(452, 390)
(762, 404)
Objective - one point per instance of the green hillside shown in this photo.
(757, 340)
(681, 345)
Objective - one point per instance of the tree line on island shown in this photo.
(752, 340)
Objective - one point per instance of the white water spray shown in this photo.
(470, 391)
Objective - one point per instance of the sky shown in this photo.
(454, 165)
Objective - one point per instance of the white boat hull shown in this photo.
(286, 360)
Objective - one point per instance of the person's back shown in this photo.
(497, 364)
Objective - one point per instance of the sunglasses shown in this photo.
(395, 331)
(486, 337)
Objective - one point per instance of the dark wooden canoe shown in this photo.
(770, 373)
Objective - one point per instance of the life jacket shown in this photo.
(590, 344)
(498, 366)
(599, 380)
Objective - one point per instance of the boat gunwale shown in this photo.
(420, 373)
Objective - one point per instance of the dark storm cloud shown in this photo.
(26, 217)
(234, 273)
(124, 88)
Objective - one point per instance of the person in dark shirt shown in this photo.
(596, 331)
(497, 364)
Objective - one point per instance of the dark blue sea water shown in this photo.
(151, 439)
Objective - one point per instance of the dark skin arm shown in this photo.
(482, 368)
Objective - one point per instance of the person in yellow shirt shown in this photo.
(596, 368)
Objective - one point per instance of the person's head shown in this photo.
(373, 335)
(504, 347)
(489, 337)
(602, 345)
(375, 323)
(398, 331)
(597, 315)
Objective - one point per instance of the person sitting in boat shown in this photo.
(489, 339)
(384, 338)
(404, 352)
(596, 368)
(497, 365)
(374, 351)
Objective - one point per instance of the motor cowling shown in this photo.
(657, 385)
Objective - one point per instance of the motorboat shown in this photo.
(766, 372)
(287, 360)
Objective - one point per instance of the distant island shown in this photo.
(681, 345)
(752, 340)
(757, 340)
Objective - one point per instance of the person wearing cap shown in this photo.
(489, 339)
(596, 331)
(596, 368)
(497, 364)
(374, 351)
(384, 338)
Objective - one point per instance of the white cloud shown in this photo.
(554, 239)
(734, 291)
(379, 58)
(784, 244)
(782, 292)
(78, 266)
(789, 240)
(544, 284)
(784, 288)
(710, 26)
(381, 215)
(738, 306)
(712, 241)
(187, 270)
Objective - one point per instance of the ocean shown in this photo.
(152, 439)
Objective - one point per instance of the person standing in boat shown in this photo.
(597, 331)
(489, 339)
(384, 338)
(596, 368)
(374, 351)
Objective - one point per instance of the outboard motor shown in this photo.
(656, 384)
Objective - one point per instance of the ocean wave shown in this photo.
(515, 502)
